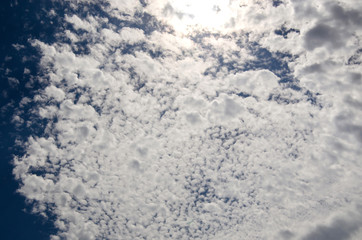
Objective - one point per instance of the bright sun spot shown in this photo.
(187, 15)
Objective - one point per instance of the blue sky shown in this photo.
(182, 119)
(18, 24)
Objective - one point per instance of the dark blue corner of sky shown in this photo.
(20, 21)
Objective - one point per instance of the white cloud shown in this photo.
(89, 24)
(124, 7)
(54, 92)
(258, 83)
(165, 135)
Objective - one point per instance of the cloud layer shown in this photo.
(251, 131)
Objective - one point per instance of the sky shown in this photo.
(172, 119)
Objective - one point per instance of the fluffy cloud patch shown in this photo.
(258, 83)
(154, 133)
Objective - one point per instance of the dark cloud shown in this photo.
(355, 77)
(345, 122)
(353, 102)
(314, 68)
(323, 34)
(340, 229)
(334, 30)
(286, 234)
(346, 16)
(354, 129)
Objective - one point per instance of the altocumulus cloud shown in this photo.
(249, 131)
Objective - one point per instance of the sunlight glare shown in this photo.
(212, 15)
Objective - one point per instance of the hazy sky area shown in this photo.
(182, 119)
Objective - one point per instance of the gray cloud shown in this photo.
(339, 229)
(321, 35)
(333, 31)
(314, 68)
(169, 10)
(346, 17)
(347, 122)
(356, 77)
(287, 235)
